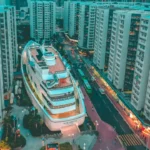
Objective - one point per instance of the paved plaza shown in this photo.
(35, 143)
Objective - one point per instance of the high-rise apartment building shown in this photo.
(42, 20)
(8, 45)
(103, 28)
(140, 91)
(102, 37)
(1, 86)
(59, 12)
(147, 100)
(87, 25)
(124, 39)
(9, 32)
(66, 16)
(74, 19)
(8, 50)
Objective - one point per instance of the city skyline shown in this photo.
(77, 66)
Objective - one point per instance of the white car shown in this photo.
(93, 78)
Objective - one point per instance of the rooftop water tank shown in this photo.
(49, 58)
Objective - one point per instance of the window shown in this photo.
(35, 85)
(135, 103)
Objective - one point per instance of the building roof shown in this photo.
(38, 57)
(146, 17)
(53, 146)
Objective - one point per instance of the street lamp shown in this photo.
(18, 126)
(96, 124)
(24, 111)
(84, 146)
(43, 141)
(33, 109)
(14, 120)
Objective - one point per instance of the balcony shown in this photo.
(61, 98)
(61, 90)
(65, 114)
(132, 33)
(32, 88)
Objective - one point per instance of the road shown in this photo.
(105, 109)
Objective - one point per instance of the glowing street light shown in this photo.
(84, 146)
(96, 124)
(18, 126)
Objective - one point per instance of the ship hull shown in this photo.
(53, 125)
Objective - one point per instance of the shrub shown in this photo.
(20, 142)
(12, 137)
(79, 148)
(32, 121)
(43, 148)
(25, 121)
(66, 146)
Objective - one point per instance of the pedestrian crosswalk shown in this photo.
(130, 140)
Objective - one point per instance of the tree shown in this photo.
(79, 148)
(4, 145)
(11, 135)
(33, 122)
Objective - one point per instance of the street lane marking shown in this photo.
(109, 109)
(122, 128)
(104, 102)
(116, 119)
(130, 140)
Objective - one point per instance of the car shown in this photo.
(93, 78)
(52, 146)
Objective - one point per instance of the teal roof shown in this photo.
(147, 17)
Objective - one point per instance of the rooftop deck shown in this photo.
(64, 82)
(38, 57)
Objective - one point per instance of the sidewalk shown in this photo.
(107, 135)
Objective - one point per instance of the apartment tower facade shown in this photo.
(42, 20)
(102, 35)
(124, 39)
(87, 25)
(140, 92)
(74, 19)
(8, 50)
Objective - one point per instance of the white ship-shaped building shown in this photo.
(51, 87)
